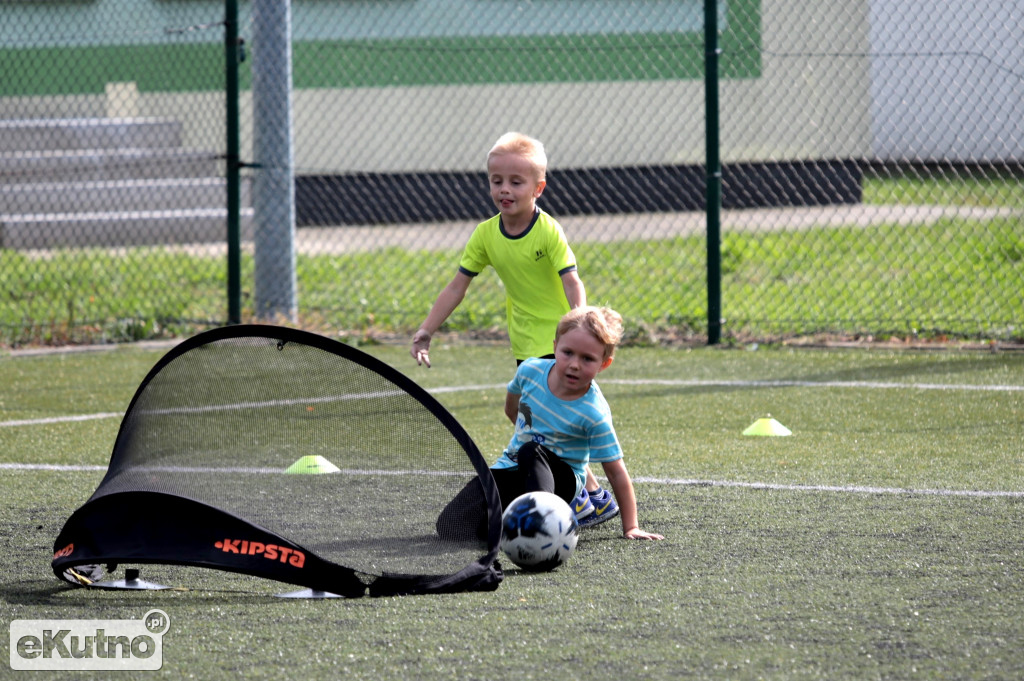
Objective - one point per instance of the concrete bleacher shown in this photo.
(103, 182)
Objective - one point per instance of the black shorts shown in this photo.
(539, 470)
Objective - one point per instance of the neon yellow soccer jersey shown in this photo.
(531, 266)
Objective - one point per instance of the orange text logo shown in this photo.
(293, 557)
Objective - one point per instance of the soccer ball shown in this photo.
(538, 531)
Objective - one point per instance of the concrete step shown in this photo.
(95, 165)
(109, 229)
(118, 195)
(69, 134)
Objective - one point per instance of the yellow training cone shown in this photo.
(767, 426)
(313, 465)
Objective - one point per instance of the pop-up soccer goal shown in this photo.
(286, 455)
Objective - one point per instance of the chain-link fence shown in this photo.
(872, 153)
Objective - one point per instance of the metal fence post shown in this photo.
(714, 172)
(233, 162)
(274, 186)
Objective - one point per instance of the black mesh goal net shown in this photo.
(286, 455)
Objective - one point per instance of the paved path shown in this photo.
(607, 228)
(610, 228)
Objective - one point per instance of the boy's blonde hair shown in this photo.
(603, 322)
(522, 145)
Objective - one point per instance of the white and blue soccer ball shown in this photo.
(538, 531)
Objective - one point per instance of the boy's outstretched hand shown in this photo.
(637, 533)
(420, 350)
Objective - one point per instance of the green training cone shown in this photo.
(767, 426)
(312, 465)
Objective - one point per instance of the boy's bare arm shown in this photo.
(449, 299)
(575, 292)
(622, 487)
(512, 407)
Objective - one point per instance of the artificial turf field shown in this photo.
(883, 539)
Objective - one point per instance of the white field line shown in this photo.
(786, 383)
(465, 388)
(851, 489)
(60, 419)
(497, 386)
(219, 470)
(674, 482)
(220, 407)
(783, 383)
(291, 402)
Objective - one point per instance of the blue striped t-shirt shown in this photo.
(577, 430)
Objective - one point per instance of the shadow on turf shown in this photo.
(45, 593)
(30, 592)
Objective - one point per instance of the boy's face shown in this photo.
(579, 357)
(514, 186)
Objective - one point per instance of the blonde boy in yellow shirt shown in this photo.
(529, 251)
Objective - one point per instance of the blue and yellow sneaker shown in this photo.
(582, 506)
(604, 506)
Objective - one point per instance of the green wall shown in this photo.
(176, 45)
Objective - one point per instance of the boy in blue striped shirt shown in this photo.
(562, 420)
